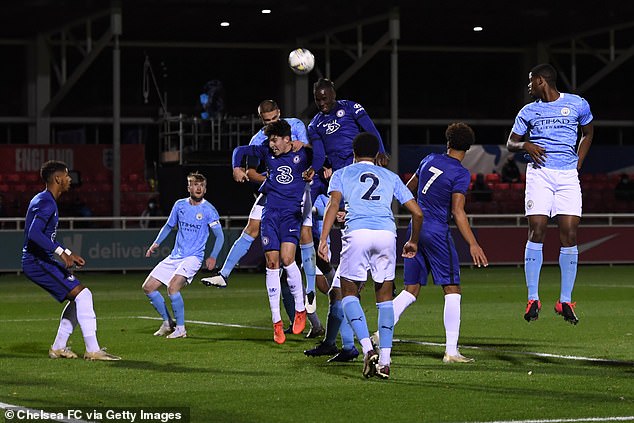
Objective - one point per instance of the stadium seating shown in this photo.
(17, 189)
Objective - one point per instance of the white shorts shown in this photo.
(307, 215)
(258, 206)
(552, 192)
(169, 267)
(367, 249)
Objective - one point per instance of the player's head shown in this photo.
(365, 145)
(279, 135)
(541, 77)
(325, 95)
(459, 136)
(269, 111)
(54, 172)
(196, 186)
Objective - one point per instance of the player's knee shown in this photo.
(253, 228)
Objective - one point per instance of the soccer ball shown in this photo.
(301, 61)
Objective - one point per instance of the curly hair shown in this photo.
(459, 136)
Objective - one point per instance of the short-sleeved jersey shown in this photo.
(298, 133)
(194, 224)
(367, 192)
(40, 227)
(439, 176)
(553, 126)
(337, 128)
(284, 185)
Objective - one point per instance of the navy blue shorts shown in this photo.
(436, 254)
(50, 275)
(280, 225)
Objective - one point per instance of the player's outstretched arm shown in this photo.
(460, 217)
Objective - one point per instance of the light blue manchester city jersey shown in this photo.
(194, 224)
(553, 126)
(367, 192)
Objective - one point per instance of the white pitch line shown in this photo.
(531, 353)
(579, 420)
(201, 322)
(403, 341)
(4, 406)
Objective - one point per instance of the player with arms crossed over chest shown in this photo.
(195, 217)
(552, 180)
(441, 183)
(369, 243)
(40, 230)
(281, 217)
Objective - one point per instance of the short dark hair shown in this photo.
(459, 136)
(365, 145)
(323, 83)
(281, 128)
(49, 168)
(195, 176)
(547, 72)
(267, 106)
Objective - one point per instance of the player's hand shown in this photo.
(382, 159)
(297, 145)
(409, 249)
(210, 263)
(151, 250)
(327, 172)
(341, 216)
(239, 175)
(323, 250)
(308, 174)
(537, 153)
(477, 254)
(78, 261)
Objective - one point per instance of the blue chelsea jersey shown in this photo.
(439, 177)
(553, 126)
(40, 227)
(284, 185)
(367, 192)
(337, 128)
(194, 223)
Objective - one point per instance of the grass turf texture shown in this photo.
(239, 374)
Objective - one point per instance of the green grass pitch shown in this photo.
(230, 370)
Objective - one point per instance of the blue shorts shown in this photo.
(280, 225)
(50, 275)
(436, 254)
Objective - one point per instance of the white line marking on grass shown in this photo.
(536, 354)
(587, 419)
(34, 412)
(201, 322)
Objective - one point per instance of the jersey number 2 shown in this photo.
(436, 173)
(375, 183)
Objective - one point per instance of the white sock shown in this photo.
(294, 279)
(452, 322)
(273, 288)
(384, 357)
(87, 319)
(401, 302)
(67, 323)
